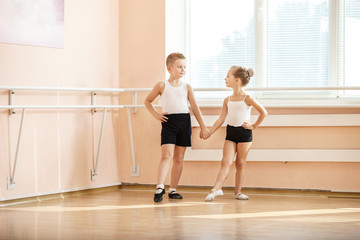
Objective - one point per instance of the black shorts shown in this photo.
(238, 134)
(177, 130)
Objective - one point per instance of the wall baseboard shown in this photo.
(188, 189)
(59, 194)
(251, 191)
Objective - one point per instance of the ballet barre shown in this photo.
(93, 107)
(134, 91)
(67, 89)
(94, 171)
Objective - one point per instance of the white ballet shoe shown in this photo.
(213, 194)
(241, 196)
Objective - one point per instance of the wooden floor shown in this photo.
(131, 214)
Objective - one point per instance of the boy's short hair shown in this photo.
(173, 57)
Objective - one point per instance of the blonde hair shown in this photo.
(243, 73)
(173, 57)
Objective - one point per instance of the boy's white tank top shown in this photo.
(174, 99)
(238, 113)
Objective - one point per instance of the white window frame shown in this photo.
(176, 26)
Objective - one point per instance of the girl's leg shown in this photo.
(178, 162)
(167, 151)
(242, 152)
(229, 151)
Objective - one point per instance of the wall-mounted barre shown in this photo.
(134, 91)
(262, 89)
(11, 179)
(134, 168)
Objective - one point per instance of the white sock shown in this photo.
(159, 186)
(172, 190)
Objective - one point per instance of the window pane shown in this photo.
(298, 43)
(350, 51)
(220, 34)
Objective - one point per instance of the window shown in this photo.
(349, 71)
(289, 43)
(219, 35)
(297, 46)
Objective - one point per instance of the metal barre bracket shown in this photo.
(94, 170)
(134, 169)
(93, 174)
(134, 102)
(10, 183)
(11, 101)
(93, 101)
(11, 179)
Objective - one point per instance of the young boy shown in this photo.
(175, 121)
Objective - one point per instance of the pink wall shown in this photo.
(334, 176)
(58, 147)
(142, 64)
(124, 46)
(142, 42)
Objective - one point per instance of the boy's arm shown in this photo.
(196, 110)
(262, 111)
(219, 122)
(156, 91)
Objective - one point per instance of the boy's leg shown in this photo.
(167, 151)
(240, 162)
(178, 162)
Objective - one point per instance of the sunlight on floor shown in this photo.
(278, 214)
(95, 208)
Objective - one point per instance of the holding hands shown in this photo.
(204, 133)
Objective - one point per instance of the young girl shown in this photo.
(237, 109)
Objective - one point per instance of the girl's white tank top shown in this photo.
(174, 99)
(238, 112)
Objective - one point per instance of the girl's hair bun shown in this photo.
(250, 72)
(243, 73)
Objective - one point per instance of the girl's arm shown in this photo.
(196, 110)
(262, 111)
(219, 122)
(156, 91)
